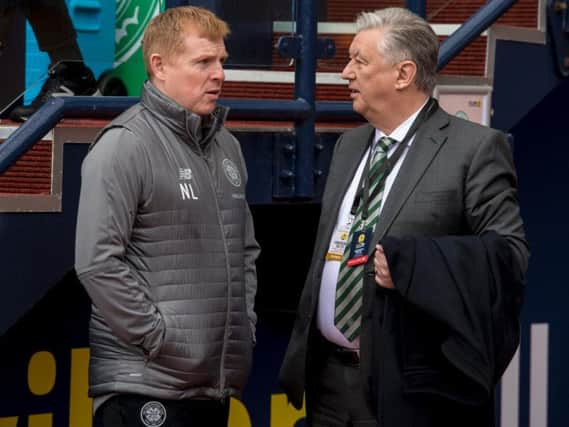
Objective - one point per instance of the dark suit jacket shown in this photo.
(457, 178)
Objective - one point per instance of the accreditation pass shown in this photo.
(339, 242)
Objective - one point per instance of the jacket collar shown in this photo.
(200, 130)
(428, 141)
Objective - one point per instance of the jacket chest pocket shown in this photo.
(430, 213)
(436, 197)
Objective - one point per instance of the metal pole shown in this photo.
(53, 110)
(305, 89)
(174, 3)
(49, 114)
(417, 6)
(467, 32)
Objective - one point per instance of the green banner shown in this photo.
(132, 17)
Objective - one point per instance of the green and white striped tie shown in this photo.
(348, 307)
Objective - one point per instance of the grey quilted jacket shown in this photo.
(166, 251)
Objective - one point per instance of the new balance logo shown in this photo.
(185, 174)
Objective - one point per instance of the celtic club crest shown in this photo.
(231, 172)
(153, 414)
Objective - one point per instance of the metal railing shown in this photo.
(304, 110)
(476, 25)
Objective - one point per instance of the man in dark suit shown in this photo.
(412, 172)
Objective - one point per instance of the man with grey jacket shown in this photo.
(165, 245)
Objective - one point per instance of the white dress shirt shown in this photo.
(327, 296)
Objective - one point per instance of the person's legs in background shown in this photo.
(67, 74)
(7, 9)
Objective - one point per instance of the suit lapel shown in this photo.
(345, 163)
(428, 141)
(346, 166)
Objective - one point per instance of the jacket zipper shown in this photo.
(222, 393)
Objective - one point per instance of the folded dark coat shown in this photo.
(444, 337)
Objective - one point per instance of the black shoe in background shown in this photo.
(66, 78)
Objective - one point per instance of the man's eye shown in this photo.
(204, 61)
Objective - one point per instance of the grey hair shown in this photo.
(407, 36)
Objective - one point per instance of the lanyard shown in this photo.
(384, 170)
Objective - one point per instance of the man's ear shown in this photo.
(157, 66)
(406, 76)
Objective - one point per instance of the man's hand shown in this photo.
(382, 273)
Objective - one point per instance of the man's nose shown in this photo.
(219, 72)
(347, 73)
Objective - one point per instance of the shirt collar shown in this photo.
(400, 131)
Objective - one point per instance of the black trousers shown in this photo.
(132, 410)
(51, 23)
(335, 395)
